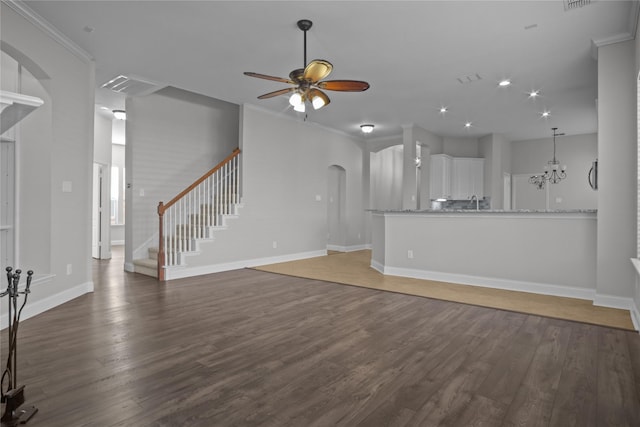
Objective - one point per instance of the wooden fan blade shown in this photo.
(344, 85)
(276, 93)
(264, 76)
(317, 70)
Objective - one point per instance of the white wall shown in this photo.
(637, 73)
(575, 151)
(173, 137)
(617, 184)
(56, 148)
(386, 179)
(461, 147)
(285, 167)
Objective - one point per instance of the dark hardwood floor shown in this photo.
(251, 348)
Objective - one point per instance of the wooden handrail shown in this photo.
(162, 207)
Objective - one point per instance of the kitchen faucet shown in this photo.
(472, 198)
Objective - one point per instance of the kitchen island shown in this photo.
(547, 252)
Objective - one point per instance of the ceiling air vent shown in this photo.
(132, 85)
(574, 4)
(469, 79)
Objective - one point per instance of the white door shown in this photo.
(96, 239)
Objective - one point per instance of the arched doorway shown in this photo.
(336, 208)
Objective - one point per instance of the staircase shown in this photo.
(192, 216)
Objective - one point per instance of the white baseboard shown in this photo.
(621, 303)
(635, 317)
(491, 282)
(377, 266)
(351, 248)
(181, 272)
(40, 306)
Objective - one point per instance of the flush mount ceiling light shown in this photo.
(367, 128)
(120, 114)
(553, 173)
(504, 83)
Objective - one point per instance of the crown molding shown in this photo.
(44, 26)
(634, 13)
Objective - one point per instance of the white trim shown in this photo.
(379, 267)
(117, 242)
(44, 26)
(178, 272)
(129, 267)
(587, 214)
(491, 282)
(635, 317)
(351, 248)
(142, 251)
(40, 306)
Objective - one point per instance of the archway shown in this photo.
(336, 208)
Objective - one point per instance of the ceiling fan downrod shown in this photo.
(304, 25)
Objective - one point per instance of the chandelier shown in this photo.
(553, 173)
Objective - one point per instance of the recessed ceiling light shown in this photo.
(505, 83)
(545, 114)
(534, 94)
(467, 125)
(443, 110)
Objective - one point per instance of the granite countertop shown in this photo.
(490, 211)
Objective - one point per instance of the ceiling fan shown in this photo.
(307, 81)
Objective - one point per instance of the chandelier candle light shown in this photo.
(553, 173)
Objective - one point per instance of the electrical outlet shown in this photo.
(410, 254)
(275, 244)
(69, 269)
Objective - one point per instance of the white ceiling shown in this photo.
(411, 52)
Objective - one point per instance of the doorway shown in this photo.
(336, 209)
(100, 236)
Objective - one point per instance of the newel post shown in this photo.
(161, 262)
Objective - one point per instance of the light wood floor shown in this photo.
(253, 348)
(353, 268)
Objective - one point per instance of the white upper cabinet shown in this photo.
(440, 178)
(467, 178)
(456, 178)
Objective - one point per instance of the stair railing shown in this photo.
(190, 214)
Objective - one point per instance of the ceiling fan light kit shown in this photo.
(308, 81)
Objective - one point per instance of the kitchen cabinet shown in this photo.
(440, 177)
(456, 178)
(467, 178)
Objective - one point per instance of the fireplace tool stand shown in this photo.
(15, 412)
